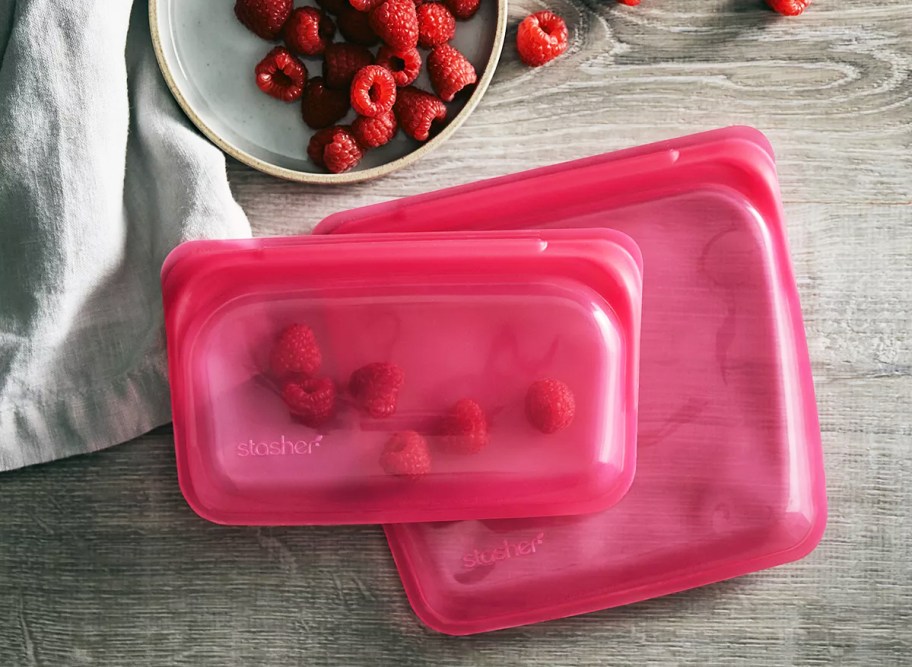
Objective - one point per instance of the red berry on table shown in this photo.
(334, 148)
(550, 405)
(373, 91)
(630, 3)
(263, 17)
(322, 106)
(295, 352)
(310, 400)
(406, 454)
(375, 132)
(281, 75)
(450, 72)
(464, 429)
(436, 25)
(355, 27)
(462, 9)
(376, 388)
(365, 5)
(396, 23)
(405, 65)
(541, 37)
(308, 31)
(418, 111)
(789, 7)
(342, 61)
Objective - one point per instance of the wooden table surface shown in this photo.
(101, 561)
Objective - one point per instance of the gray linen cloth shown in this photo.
(100, 176)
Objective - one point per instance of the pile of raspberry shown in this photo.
(313, 399)
(376, 83)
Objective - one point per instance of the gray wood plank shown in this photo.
(101, 562)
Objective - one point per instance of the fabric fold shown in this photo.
(101, 176)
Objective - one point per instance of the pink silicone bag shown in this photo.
(463, 315)
(730, 477)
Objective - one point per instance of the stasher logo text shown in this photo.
(281, 447)
(504, 551)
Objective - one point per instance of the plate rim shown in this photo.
(500, 30)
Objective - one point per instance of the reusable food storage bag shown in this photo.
(730, 476)
(313, 378)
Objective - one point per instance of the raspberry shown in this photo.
(296, 351)
(322, 106)
(405, 66)
(373, 91)
(435, 25)
(310, 400)
(376, 388)
(464, 429)
(789, 7)
(450, 72)
(406, 455)
(341, 61)
(263, 17)
(462, 9)
(396, 23)
(417, 111)
(343, 153)
(541, 37)
(333, 6)
(308, 31)
(375, 132)
(630, 3)
(335, 148)
(355, 27)
(281, 75)
(365, 5)
(550, 405)
(318, 143)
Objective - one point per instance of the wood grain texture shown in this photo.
(101, 562)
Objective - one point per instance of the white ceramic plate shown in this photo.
(207, 58)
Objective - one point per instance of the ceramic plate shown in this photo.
(208, 58)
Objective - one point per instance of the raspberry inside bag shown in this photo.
(730, 476)
(377, 379)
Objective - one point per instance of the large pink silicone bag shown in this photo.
(730, 477)
(264, 336)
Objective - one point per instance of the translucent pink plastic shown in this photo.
(730, 477)
(463, 315)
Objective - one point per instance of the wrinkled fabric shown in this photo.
(101, 176)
